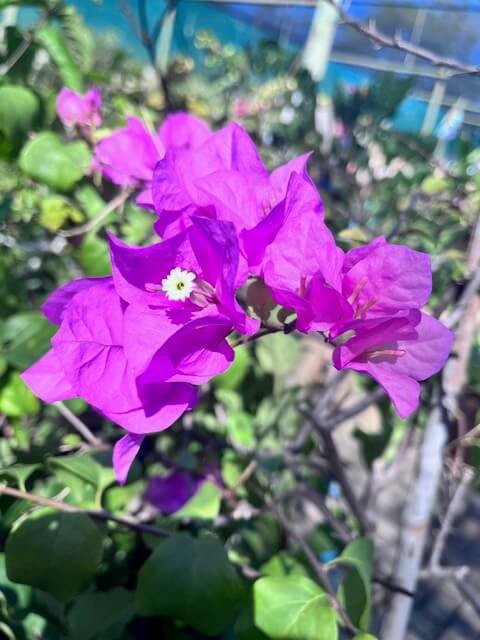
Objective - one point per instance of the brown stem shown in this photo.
(77, 424)
(115, 203)
(260, 334)
(336, 466)
(397, 42)
(104, 516)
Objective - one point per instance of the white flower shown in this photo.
(178, 285)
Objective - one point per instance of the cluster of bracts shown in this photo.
(237, 243)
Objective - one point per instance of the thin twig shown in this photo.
(453, 510)
(115, 203)
(341, 530)
(28, 40)
(466, 439)
(260, 334)
(97, 514)
(397, 42)
(77, 424)
(350, 412)
(336, 467)
(244, 476)
(319, 570)
(17, 54)
(470, 291)
(468, 592)
(150, 43)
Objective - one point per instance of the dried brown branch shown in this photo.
(448, 65)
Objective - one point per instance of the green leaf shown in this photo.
(25, 337)
(205, 504)
(79, 39)
(20, 473)
(16, 399)
(99, 612)
(94, 256)
(190, 580)
(232, 378)
(56, 211)
(56, 552)
(53, 40)
(293, 608)
(19, 110)
(277, 353)
(432, 185)
(89, 200)
(365, 636)
(76, 471)
(241, 429)
(245, 628)
(48, 159)
(355, 590)
(283, 564)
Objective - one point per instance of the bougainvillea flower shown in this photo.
(88, 360)
(224, 178)
(397, 352)
(176, 346)
(208, 250)
(183, 130)
(54, 307)
(124, 453)
(88, 350)
(382, 278)
(296, 255)
(170, 493)
(75, 109)
(128, 156)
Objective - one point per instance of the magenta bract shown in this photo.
(75, 109)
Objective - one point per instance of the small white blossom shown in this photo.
(179, 284)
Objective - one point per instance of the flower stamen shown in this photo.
(179, 284)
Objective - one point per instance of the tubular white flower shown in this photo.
(179, 284)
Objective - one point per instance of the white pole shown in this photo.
(318, 46)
